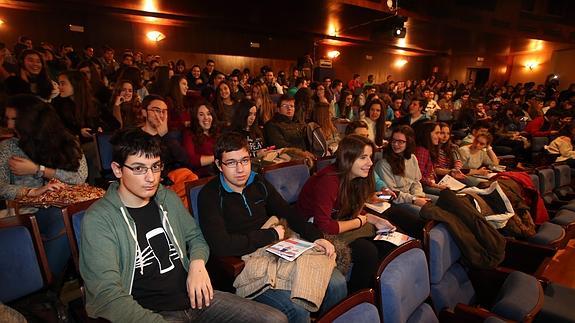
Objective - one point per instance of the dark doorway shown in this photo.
(479, 76)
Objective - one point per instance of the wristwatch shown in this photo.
(40, 172)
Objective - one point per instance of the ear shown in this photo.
(218, 164)
(117, 169)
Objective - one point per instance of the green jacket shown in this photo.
(108, 253)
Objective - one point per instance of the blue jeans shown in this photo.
(54, 237)
(280, 299)
(226, 307)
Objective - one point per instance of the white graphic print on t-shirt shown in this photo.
(159, 250)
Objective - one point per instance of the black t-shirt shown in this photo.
(161, 286)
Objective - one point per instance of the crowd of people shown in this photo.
(185, 123)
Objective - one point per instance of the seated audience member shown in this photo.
(80, 114)
(234, 206)
(179, 115)
(283, 130)
(31, 77)
(126, 104)
(427, 149)
(100, 91)
(334, 198)
(320, 96)
(225, 104)
(195, 81)
(478, 155)
(264, 103)
(544, 126)
(41, 150)
(415, 115)
(303, 104)
(174, 158)
(343, 108)
(447, 161)
(358, 127)
(134, 75)
(480, 127)
(273, 86)
(142, 255)
(400, 172)
(199, 140)
(375, 119)
(563, 145)
(322, 135)
(431, 106)
(245, 122)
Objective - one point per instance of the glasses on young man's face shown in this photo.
(234, 163)
(141, 170)
(287, 106)
(158, 110)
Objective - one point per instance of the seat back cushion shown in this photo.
(518, 296)
(407, 269)
(547, 184)
(77, 226)
(423, 314)
(19, 268)
(450, 283)
(455, 287)
(362, 313)
(288, 181)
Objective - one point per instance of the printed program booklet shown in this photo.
(290, 249)
(451, 183)
(394, 237)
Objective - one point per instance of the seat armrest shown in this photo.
(232, 266)
(471, 314)
(527, 257)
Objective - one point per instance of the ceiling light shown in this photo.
(155, 36)
(333, 54)
(400, 63)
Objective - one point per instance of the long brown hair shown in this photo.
(265, 105)
(380, 122)
(397, 162)
(321, 116)
(448, 146)
(353, 193)
(423, 138)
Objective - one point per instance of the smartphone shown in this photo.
(385, 197)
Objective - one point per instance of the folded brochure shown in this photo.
(451, 183)
(290, 249)
(394, 237)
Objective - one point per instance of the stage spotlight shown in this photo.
(399, 30)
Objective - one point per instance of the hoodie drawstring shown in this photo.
(135, 237)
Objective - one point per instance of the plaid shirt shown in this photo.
(425, 166)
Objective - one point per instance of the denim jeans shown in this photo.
(226, 307)
(280, 299)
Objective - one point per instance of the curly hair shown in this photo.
(42, 138)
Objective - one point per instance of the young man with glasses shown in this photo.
(155, 114)
(142, 256)
(285, 130)
(235, 205)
